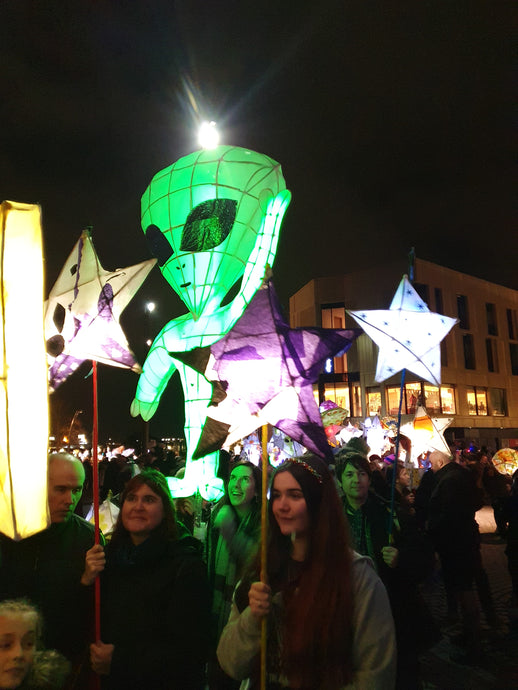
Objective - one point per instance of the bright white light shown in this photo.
(150, 307)
(208, 136)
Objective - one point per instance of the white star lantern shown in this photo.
(374, 435)
(426, 433)
(408, 335)
(83, 311)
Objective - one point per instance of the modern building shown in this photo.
(479, 357)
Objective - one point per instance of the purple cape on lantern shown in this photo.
(263, 371)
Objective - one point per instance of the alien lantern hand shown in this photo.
(145, 409)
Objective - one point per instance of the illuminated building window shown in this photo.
(333, 316)
(338, 393)
(412, 395)
(448, 400)
(393, 401)
(356, 399)
(432, 399)
(373, 401)
(472, 400)
(477, 400)
(346, 395)
(436, 400)
(481, 401)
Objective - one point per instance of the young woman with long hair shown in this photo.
(329, 620)
(233, 534)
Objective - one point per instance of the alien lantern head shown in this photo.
(204, 215)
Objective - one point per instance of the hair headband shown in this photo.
(306, 466)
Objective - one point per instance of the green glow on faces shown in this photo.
(211, 219)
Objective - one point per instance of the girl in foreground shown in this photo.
(21, 666)
(329, 619)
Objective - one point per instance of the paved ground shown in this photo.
(499, 667)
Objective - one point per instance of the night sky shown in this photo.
(392, 121)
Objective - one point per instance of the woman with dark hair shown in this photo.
(329, 620)
(155, 597)
(232, 537)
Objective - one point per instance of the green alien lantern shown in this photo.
(211, 219)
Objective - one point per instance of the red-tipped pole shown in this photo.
(264, 536)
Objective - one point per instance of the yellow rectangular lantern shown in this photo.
(24, 416)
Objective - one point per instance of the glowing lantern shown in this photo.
(505, 461)
(426, 433)
(24, 399)
(375, 435)
(212, 219)
(408, 335)
(262, 372)
(83, 311)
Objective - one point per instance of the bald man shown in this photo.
(48, 567)
(66, 477)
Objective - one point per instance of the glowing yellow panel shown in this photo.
(24, 395)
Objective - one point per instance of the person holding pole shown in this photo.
(155, 604)
(329, 619)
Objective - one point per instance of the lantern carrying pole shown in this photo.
(411, 267)
(396, 456)
(264, 537)
(95, 472)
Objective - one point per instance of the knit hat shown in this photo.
(356, 450)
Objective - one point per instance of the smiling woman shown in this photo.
(233, 535)
(142, 512)
(155, 603)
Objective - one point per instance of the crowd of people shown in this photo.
(341, 595)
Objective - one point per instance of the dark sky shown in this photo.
(393, 123)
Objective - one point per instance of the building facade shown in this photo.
(479, 357)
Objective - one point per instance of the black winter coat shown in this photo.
(156, 611)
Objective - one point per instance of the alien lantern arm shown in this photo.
(158, 369)
(262, 257)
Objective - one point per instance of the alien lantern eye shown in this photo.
(208, 225)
